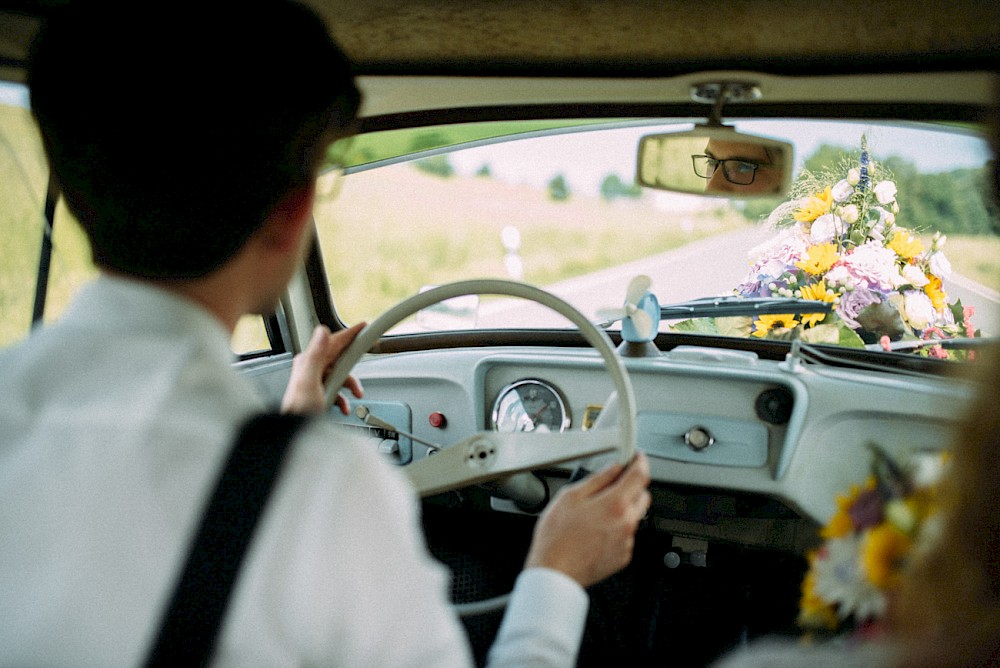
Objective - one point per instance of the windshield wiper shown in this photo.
(722, 307)
(961, 343)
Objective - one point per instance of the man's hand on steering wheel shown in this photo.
(305, 393)
(588, 530)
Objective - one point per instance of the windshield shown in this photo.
(889, 227)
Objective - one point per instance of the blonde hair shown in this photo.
(947, 612)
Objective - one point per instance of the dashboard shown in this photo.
(741, 449)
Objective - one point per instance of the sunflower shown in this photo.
(766, 323)
(819, 259)
(817, 292)
(813, 207)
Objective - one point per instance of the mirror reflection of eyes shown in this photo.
(736, 171)
(725, 163)
(757, 154)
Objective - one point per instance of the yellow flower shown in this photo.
(819, 259)
(905, 245)
(814, 207)
(816, 291)
(841, 524)
(934, 290)
(768, 322)
(882, 554)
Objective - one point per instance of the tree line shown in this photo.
(952, 202)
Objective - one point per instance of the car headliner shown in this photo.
(430, 35)
(627, 37)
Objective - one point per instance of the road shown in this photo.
(720, 262)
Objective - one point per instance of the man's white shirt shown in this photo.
(113, 428)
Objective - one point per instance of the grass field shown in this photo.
(391, 231)
(23, 176)
(976, 258)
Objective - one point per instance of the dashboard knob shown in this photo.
(698, 438)
(388, 446)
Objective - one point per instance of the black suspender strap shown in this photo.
(191, 623)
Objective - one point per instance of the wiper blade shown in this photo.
(722, 307)
(958, 343)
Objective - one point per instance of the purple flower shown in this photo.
(867, 510)
(854, 302)
(752, 288)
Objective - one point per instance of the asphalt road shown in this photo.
(720, 262)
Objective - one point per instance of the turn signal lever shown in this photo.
(364, 414)
(528, 492)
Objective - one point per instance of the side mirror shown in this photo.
(716, 161)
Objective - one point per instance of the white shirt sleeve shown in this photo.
(544, 621)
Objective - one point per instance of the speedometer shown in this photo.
(530, 405)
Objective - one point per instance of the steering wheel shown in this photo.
(488, 455)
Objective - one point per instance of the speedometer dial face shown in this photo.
(530, 405)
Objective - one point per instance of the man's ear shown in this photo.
(283, 229)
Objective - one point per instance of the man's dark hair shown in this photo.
(173, 129)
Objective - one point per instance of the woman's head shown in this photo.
(948, 610)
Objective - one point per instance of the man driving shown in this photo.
(187, 145)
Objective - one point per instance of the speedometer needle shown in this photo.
(534, 418)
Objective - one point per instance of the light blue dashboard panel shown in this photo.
(395, 413)
(737, 442)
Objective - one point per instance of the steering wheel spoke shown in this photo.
(488, 455)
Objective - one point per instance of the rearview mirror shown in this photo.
(716, 161)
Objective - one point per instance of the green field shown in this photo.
(392, 231)
(23, 176)
(975, 257)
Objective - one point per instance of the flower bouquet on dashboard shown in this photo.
(838, 240)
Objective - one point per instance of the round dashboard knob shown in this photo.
(698, 438)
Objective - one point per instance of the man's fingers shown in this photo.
(643, 504)
(631, 490)
(354, 385)
(596, 482)
(615, 477)
(338, 342)
(314, 351)
(636, 473)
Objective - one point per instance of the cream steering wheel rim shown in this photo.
(490, 455)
